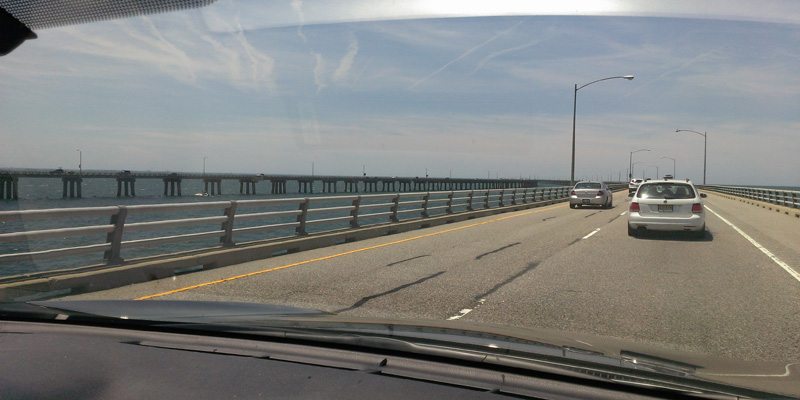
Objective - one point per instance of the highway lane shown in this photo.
(552, 268)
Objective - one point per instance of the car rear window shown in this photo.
(588, 185)
(665, 191)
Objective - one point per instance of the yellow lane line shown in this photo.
(345, 253)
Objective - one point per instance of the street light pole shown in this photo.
(630, 162)
(673, 166)
(657, 174)
(80, 162)
(705, 148)
(633, 165)
(574, 113)
(204, 166)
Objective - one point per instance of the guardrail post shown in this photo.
(794, 200)
(486, 199)
(514, 197)
(301, 229)
(449, 209)
(502, 193)
(525, 196)
(115, 237)
(354, 213)
(425, 204)
(227, 226)
(395, 204)
(469, 201)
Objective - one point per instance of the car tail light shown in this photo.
(697, 208)
(572, 193)
(600, 193)
(634, 207)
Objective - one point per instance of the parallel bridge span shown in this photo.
(126, 182)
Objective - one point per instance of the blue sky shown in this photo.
(465, 96)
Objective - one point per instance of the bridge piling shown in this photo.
(71, 184)
(9, 187)
(215, 182)
(278, 186)
(129, 184)
(171, 183)
(245, 185)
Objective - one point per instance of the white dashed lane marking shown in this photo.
(590, 235)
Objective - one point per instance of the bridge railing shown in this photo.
(786, 198)
(137, 226)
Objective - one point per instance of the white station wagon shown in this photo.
(667, 205)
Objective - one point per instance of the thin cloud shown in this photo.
(680, 68)
(488, 58)
(362, 70)
(466, 53)
(319, 72)
(346, 62)
(297, 6)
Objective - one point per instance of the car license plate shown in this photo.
(665, 207)
(585, 200)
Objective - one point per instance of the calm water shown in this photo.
(44, 193)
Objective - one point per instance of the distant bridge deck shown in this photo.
(126, 182)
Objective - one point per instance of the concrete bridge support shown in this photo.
(329, 186)
(214, 182)
(405, 185)
(9, 187)
(305, 186)
(278, 186)
(128, 183)
(370, 185)
(351, 186)
(71, 185)
(388, 185)
(246, 185)
(169, 186)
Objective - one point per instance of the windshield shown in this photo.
(665, 191)
(417, 165)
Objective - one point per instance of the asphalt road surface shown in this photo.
(553, 267)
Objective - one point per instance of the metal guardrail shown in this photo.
(786, 198)
(350, 212)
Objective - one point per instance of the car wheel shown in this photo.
(572, 205)
(631, 231)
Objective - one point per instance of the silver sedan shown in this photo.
(591, 194)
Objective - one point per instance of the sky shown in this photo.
(460, 97)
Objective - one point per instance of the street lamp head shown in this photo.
(628, 77)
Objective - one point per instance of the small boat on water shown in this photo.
(201, 194)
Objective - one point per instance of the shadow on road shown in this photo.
(675, 236)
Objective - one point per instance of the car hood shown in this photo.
(484, 340)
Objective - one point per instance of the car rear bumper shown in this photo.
(589, 201)
(695, 222)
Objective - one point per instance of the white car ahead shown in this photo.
(634, 184)
(667, 205)
(591, 194)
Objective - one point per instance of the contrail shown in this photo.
(680, 68)
(466, 53)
